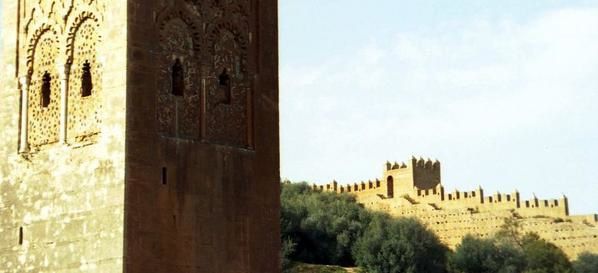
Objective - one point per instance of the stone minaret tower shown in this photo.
(139, 136)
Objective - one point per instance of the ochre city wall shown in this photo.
(62, 163)
(413, 189)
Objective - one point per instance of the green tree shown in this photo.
(586, 263)
(476, 255)
(399, 246)
(544, 257)
(287, 249)
(540, 255)
(322, 225)
(510, 232)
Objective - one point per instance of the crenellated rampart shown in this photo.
(414, 189)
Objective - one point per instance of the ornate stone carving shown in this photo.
(84, 106)
(44, 109)
(60, 56)
(216, 105)
(227, 87)
(179, 112)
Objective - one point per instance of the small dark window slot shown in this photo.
(86, 81)
(164, 176)
(225, 86)
(178, 79)
(20, 235)
(46, 89)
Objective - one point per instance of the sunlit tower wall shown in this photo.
(62, 136)
(139, 136)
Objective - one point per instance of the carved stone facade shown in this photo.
(62, 41)
(139, 136)
(84, 72)
(179, 93)
(43, 93)
(229, 88)
(62, 137)
(208, 45)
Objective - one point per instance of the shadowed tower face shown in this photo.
(139, 136)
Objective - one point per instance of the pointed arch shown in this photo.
(178, 98)
(228, 85)
(84, 78)
(44, 88)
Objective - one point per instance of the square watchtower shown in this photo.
(139, 136)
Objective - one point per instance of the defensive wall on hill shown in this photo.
(414, 189)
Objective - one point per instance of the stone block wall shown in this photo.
(454, 215)
(139, 136)
(202, 159)
(62, 160)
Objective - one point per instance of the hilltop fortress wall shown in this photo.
(414, 189)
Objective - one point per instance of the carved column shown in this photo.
(64, 86)
(24, 84)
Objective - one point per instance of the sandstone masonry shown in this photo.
(414, 189)
(139, 136)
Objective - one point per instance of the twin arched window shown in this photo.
(86, 85)
(178, 82)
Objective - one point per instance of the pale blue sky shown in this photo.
(503, 93)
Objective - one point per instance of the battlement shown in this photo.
(400, 178)
(419, 180)
(457, 195)
(415, 189)
(438, 190)
(502, 198)
(348, 188)
(413, 163)
(538, 203)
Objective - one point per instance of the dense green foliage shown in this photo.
(544, 257)
(323, 226)
(333, 229)
(287, 249)
(476, 255)
(329, 228)
(399, 246)
(509, 252)
(586, 263)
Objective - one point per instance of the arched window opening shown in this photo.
(46, 89)
(178, 79)
(390, 190)
(86, 81)
(225, 87)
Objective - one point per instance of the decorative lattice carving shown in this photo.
(228, 87)
(85, 84)
(63, 76)
(178, 112)
(216, 105)
(44, 111)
